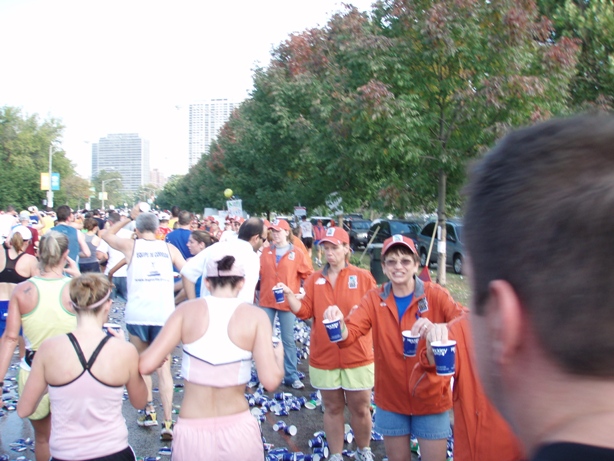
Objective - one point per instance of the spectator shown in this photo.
(543, 311)
(344, 377)
(404, 303)
(281, 262)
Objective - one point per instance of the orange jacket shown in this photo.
(301, 246)
(351, 284)
(292, 268)
(480, 433)
(396, 381)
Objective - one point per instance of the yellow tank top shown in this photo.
(49, 317)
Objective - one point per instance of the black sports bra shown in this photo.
(9, 274)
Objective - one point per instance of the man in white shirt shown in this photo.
(252, 235)
(307, 234)
(7, 220)
(104, 252)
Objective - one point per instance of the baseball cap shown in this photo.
(398, 239)
(164, 217)
(336, 236)
(23, 230)
(280, 224)
(143, 207)
(24, 216)
(217, 253)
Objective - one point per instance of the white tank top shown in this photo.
(213, 359)
(151, 297)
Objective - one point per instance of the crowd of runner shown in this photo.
(218, 288)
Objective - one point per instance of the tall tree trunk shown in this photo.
(441, 222)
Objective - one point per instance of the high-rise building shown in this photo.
(206, 119)
(125, 153)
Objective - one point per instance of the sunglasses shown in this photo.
(405, 262)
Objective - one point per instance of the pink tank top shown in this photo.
(86, 416)
(213, 359)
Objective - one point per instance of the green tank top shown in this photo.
(49, 317)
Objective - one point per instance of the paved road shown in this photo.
(146, 441)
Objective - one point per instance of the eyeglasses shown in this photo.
(405, 262)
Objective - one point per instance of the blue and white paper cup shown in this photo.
(445, 357)
(410, 343)
(111, 326)
(333, 328)
(279, 295)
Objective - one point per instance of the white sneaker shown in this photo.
(336, 457)
(297, 384)
(364, 454)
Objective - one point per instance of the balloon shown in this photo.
(228, 193)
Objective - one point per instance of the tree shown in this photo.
(476, 69)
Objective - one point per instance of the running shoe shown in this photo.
(336, 457)
(364, 454)
(297, 384)
(167, 431)
(147, 419)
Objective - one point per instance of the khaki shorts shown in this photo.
(348, 379)
(44, 409)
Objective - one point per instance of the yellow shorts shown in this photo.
(44, 409)
(348, 379)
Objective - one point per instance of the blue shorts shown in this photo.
(146, 333)
(4, 314)
(429, 427)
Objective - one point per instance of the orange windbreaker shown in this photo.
(396, 381)
(351, 284)
(292, 268)
(301, 246)
(480, 432)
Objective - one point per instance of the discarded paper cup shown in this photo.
(111, 326)
(276, 341)
(291, 430)
(333, 328)
(410, 343)
(279, 426)
(279, 295)
(445, 357)
(310, 405)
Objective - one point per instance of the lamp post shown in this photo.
(103, 183)
(50, 191)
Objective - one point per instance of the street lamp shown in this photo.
(50, 191)
(103, 183)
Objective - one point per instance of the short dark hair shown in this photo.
(184, 218)
(63, 212)
(251, 227)
(540, 215)
(175, 211)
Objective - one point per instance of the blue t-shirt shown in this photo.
(403, 303)
(179, 238)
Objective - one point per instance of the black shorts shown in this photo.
(125, 455)
(308, 242)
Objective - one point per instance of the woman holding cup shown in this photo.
(342, 376)
(86, 371)
(405, 303)
(221, 335)
(283, 263)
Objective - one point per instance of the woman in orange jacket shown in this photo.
(283, 262)
(404, 303)
(342, 375)
(480, 432)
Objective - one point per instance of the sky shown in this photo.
(134, 66)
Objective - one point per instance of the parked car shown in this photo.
(455, 250)
(357, 229)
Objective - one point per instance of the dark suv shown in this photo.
(388, 227)
(357, 229)
(455, 250)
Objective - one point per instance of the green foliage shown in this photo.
(24, 155)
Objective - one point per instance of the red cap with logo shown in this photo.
(399, 239)
(336, 236)
(280, 224)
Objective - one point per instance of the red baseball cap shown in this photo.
(399, 239)
(280, 224)
(336, 236)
